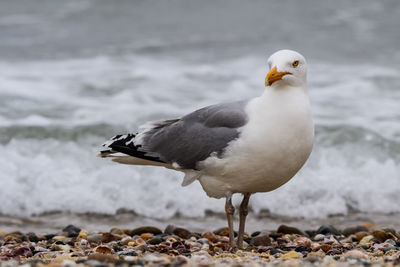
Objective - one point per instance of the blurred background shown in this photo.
(74, 73)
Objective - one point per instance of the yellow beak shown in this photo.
(273, 76)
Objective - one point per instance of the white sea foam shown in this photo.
(81, 103)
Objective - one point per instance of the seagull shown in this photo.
(243, 147)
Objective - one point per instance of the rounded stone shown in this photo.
(387, 249)
(146, 236)
(328, 229)
(104, 250)
(380, 235)
(303, 248)
(82, 235)
(169, 230)
(15, 237)
(127, 253)
(181, 232)
(256, 233)
(108, 237)
(203, 240)
(117, 231)
(284, 229)
(210, 236)
(353, 230)
(154, 241)
(33, 237)
(319, 237)
(292, 255)
(145, 229)
(302, 241)
(72, 230)
(366, 239)
(224, 231)
(274, 251)
(355, 253)
(360, 235)
(94, 238)
(325, 247)
(261, 240)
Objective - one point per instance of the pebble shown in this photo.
(353, 230)
(361, 235)
(103, 249)
(181, 232)
(366, 239)
(57, 247)
(32, 237)
(146, 236)
(127, 253)
(302, 241)
(292, 255)
(203, 240)
(303, 248)
(101, 257)
(380, 235)
(108, 237)
(390, 230)
(82, 235)
(21, 251)
(15, 237)
(391, 242)
(386, 249)
(284, 229)
(325, 247)
(71, 230)
(256, 233)
(274, 251)
(319, 237)
(224, 231)
(316, 255)
(210, 236)
(117, 231)
(94, 238)
(62, 239)
(126, 240)
(169, 230)
(145, 229)
(328, 229)
(356, 254)
(261, 240)
(154, 241)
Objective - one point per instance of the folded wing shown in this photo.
(183, 143)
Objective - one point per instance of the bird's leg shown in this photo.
(243, 213)
(229, 209)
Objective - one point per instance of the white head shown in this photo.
(286, 68)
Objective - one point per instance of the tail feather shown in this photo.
(125, 144)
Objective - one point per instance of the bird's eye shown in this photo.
(295, 63)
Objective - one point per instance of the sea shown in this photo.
(74, 73)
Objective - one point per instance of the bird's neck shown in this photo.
(281, 101)
(285, 91)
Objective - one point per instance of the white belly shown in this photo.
(272, 148)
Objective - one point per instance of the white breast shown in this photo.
(271, 149)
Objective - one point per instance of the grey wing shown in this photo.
(191, 139)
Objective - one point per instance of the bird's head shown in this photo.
(286, 67)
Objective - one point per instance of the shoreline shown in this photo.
(347, 241)
(53, 221)
(358, 245)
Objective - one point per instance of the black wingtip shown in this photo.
(124, 144)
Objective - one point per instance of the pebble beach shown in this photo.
(359, 245)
